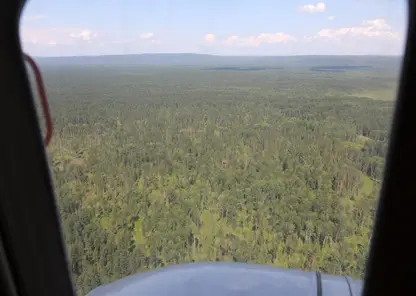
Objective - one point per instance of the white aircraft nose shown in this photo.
(227, 279)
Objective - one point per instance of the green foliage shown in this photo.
(165, 165)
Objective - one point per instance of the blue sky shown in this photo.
(228, 27)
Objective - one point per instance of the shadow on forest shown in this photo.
(241, 68)
(338, 68)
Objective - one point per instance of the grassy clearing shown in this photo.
(378, 94)
(368, 185)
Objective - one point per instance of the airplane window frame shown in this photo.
(32, 252)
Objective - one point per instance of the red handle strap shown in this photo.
(43, 99)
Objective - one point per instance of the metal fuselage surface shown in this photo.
(230, 279)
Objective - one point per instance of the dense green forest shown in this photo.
(158, 165)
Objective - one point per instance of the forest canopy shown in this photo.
(157, 165)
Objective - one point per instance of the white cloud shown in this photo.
(209, 37)
(312, 8)
(263, 38)
(121, 41)
(33, 18)
(370, 28)
(149, 35)
(369, 37)
(331, 18)
(374, 36)
(86, 35)
(231, 40)
(63, 36)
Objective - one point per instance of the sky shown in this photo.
(221, 27)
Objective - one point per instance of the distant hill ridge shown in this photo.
(188, 59)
